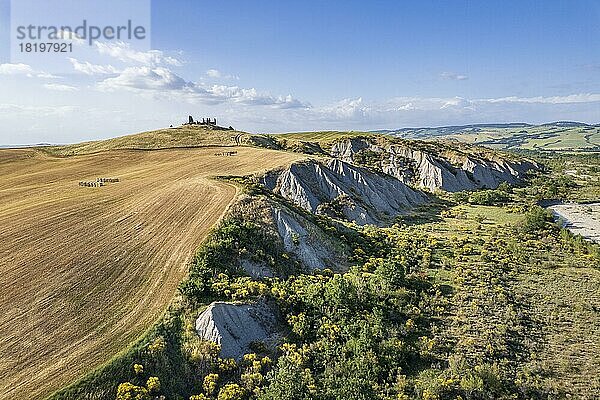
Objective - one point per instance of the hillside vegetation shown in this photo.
(475, 294)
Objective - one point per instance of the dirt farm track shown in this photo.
(86, 270)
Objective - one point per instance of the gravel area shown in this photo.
(581, 219)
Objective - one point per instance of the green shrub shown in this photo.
(231, 391)
(489, 197)
(537, 219)
(129, 391)
(461, 197)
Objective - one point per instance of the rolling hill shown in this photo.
(556, 136)
(86, 270)
(379, 267)
(89, 268)
(183, 136)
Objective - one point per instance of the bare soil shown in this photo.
(84, 271)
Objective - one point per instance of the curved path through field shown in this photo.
(84, 271)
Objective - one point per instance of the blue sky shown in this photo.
(273, 66)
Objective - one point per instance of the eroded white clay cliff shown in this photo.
(443, 169)
(296, 232)
(337, 187)
(235, 326)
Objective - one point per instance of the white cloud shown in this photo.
(356, 113)
(59, 87)
(162, 82)
(23, 69)
(407, 104)
(122, 51)
(453, 76)
(16, 69)
(146, 78)
(221, 93)
(36, 111)
(461, 103)
(569, 99)
(458, 103)
(290, 102)
(69, 35)
(216, 74)
(406, 107)
(151, 74)
(92, 69)
(344, 109)
(46, 75)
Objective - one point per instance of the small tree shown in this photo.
(157, 346)
(461, 197)
(199, 397)
(138, 369)
(536, 220)
(129, 391)
(489, 197)
(210, 384)
(153, 384)
(231, 391)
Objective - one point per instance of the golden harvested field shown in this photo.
(84, 271)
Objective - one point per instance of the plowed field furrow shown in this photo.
(84, 271)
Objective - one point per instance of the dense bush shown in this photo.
(485, 197)
(537, 219)
(551, 187)
(217, 260)
(489, 197)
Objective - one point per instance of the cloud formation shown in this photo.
(222, 93)
(36, 111)
(216, 74)
(213, 73)
(150, 73)
(162, 82)
(23, 69)
(569, 99)
(59, 87)
(145, 78)
(15, 69)
(453, 76)
(92, 69)
(358, 114)
(124, 52)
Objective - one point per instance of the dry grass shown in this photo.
(565, 302)
(323, 136)
(84, 271)
(530, 305)
(178, 137)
